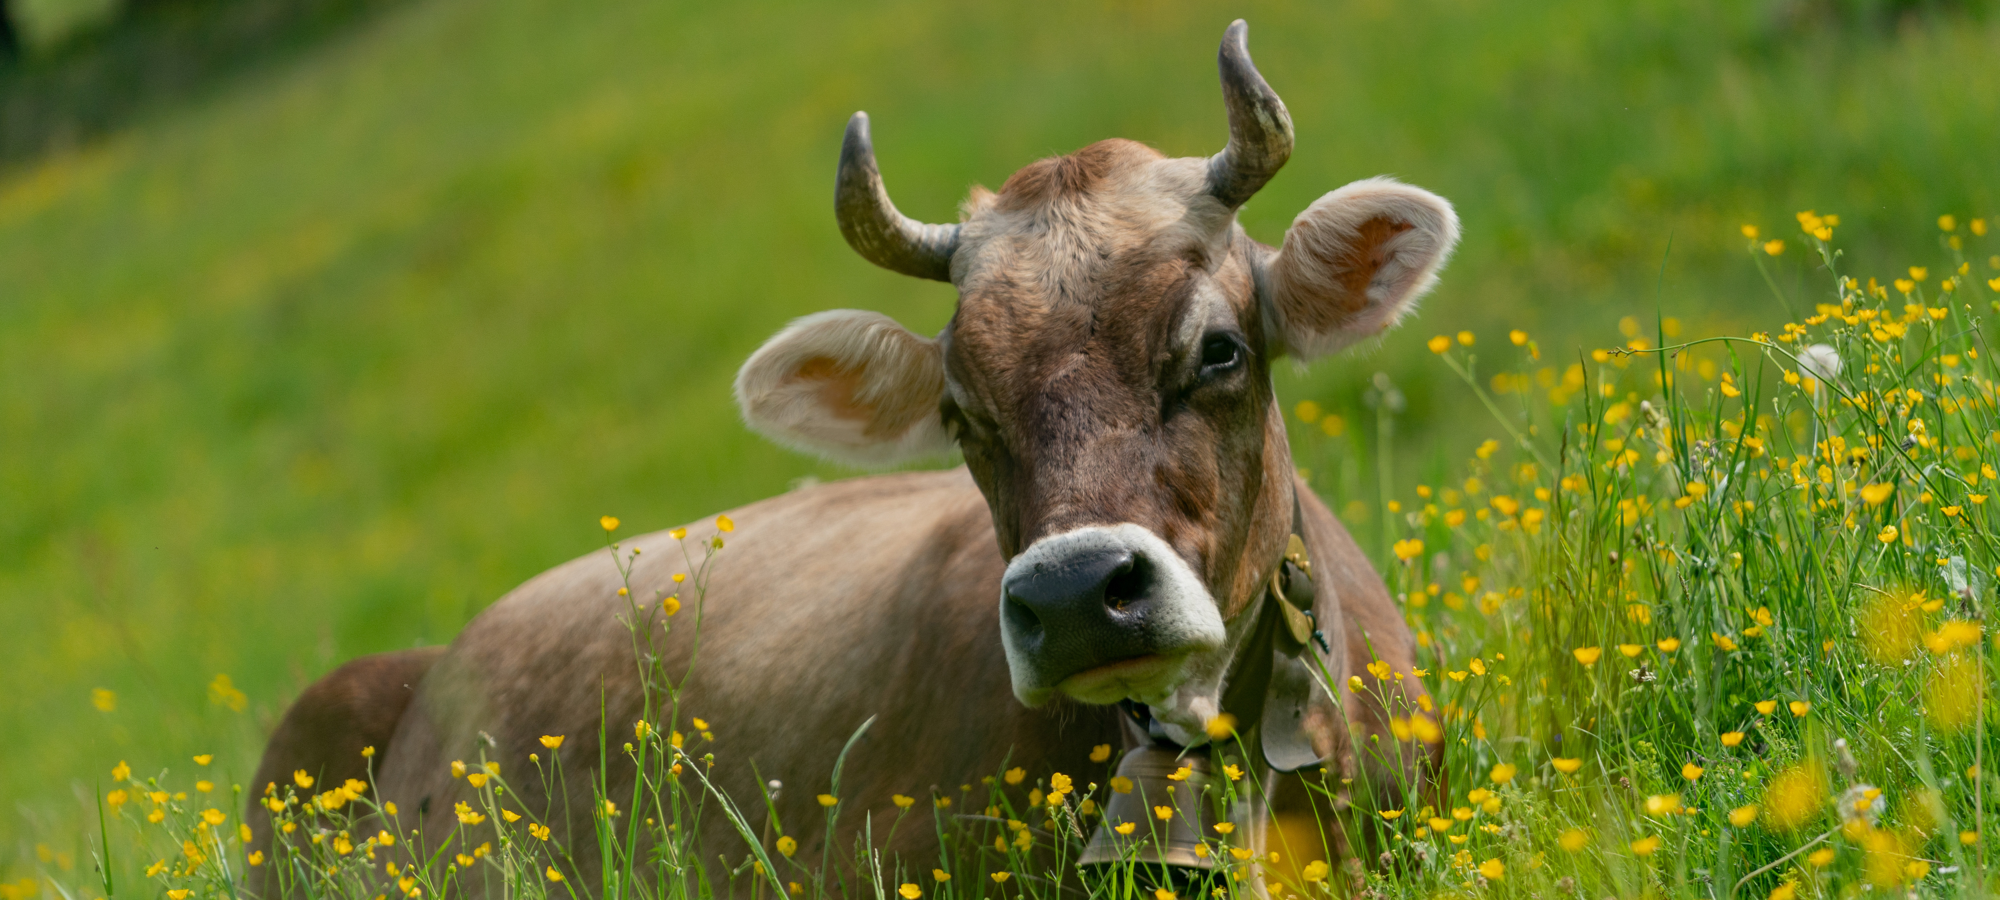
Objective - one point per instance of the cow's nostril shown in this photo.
(1128, 584)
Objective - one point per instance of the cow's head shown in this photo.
(1107, 377)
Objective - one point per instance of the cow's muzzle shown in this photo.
(1103, 613)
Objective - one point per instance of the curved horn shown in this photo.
(871, 223)
(1260, 130)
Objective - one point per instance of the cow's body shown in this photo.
(828, 605)
(1118, 534)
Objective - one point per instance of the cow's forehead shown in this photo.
(1059, 229)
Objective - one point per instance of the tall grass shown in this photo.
(1707, 617)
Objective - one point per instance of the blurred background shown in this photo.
(323, 323)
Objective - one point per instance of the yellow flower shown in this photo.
(1163, 813)
(476, 779)
(940, 875)
(1876, 493)
(466, 815)
(552, 874)
(1663, 804)
(116, 799)
(1799, 707)
(457, 770)
(1180, 774)
(1465, 337)
(1566, 766)
(541, 832)
(724, 524)
(1691, 772)
(608, 523)
(1439, 344)
(1392, 814)
(788, 845)
(178, 894)
(1224, 827)
(1646, 845)
(1221, 727)
(1743, 815)
(1164, 894)
(902, 802)
(510, 815)
(256, 858)
(213, 816)
(1668, 645)
(1732, 738)
(121, 771)
(1573, 840)
(552, 741)
(1888, 535)
(1766, 707)
(1493, 869)
(1631, 650)
(1588, 655)
(1407, 549)
(302, 779)
(1502, 773)
(1015, 775)
(1121, 785)
(1001, 877)
(1125, 827)
(1920, 273)
(828, 800)
(1821, 858)
(1774, 247)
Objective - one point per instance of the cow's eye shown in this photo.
(1220, 354)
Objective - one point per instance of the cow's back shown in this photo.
(826, 606)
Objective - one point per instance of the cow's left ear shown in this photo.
(849, 385)
(1354, 262)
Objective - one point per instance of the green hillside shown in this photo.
(321, 358)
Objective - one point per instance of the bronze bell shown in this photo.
(1154, 842)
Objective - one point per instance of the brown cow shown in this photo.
(1126, 498)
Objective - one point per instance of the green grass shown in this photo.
(319, 361)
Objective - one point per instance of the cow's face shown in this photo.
(1107, 379)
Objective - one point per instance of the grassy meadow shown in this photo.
(318, 357)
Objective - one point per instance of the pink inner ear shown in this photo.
(1361, 258)
(838, 386)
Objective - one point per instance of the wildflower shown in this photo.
(1354, 683)
(476, 779)
(1100, 753)
(1391, 814)
(1732, 738)
(1663, 804)
(1477, 666)
(1631, 650)
(121, 771)
(610, 810)
(1920, 273)
(457, 770)
(256, 858)
(1799, 707)
(1502, 773)
(1234, 772)
(1588, 655)
(1225, 827)
(1785, 891)
(1221, 727)
(1566, 766)
(1408, 549)
(1518, 337)
(940, 875)
(541, 833)
(724, 524)
(1723, 642)
(1465, 337)
(828, 800)
(1875, 494)
(1795, 796)
(552, 874)
(608, 523)
(302, 779)
(1968, 838)
(1121, 785)
(213, 816)
(1691, 772)
(1573, 840)
(1125, 827)
(466, 814)
(1646, 845)
(1163, 813)
(1180, 774)
(1001, 877)
(1766, 707)
(1668, 645)
(1439, 344)
(1774, 247)
(1013, 776)
(1164, 894)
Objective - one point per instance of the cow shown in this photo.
(1094, 571)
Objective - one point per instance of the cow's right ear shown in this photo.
(849, 385)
